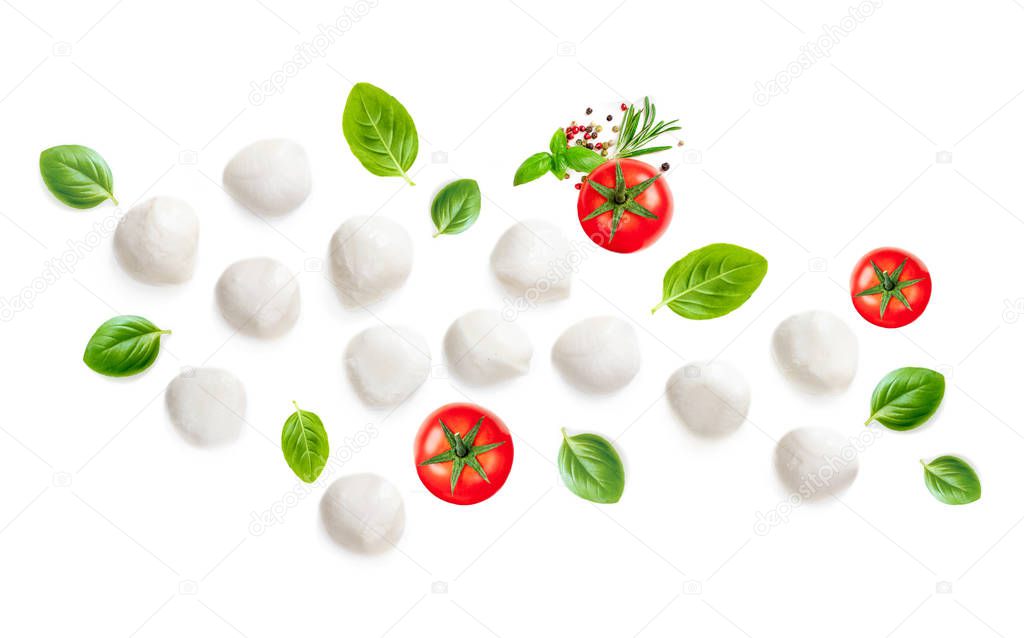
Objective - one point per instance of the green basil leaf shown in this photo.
(380, 132)
(456, 207)
(534, 166)
(591, 468)
(77, 176)
(123, 346)
(952, 480)
(304, 443)
(559, 165)
(583, 159)
(906, 398)
(712, 281)
(558, 143)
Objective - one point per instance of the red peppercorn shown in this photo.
(575, 129)
(569, 136)
(586, 136)
(598, 146)
(579, 186)
(622, 107)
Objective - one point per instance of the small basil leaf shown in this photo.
(304, 443)
(906, 398)
(591, 468)
(583, 159)
(534, 166)
(712, 281)
(952, 480)
(559, 165)
(456, 207)
(77, 176)
(380, 132)
(558, 143)
(123, 346)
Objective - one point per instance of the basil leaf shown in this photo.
(712, 281)
(559, 165)
(952, 480)
(77, 176)
(380, 132)
(533, 167)
(456, 207)
(558, 143)
(123, 346)
(591, 468)
(304, 443)
(906, 398)
(583, 159)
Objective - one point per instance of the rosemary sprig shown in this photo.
(634, 135)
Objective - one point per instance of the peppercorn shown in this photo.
(604, 153)
(569, 136)
(579, 186)
(615, 129)
(622, 107)
(589, 110)
(579, 142)
(680, 142)
(598, 146)
(665, 166)
(590, 146)
(598, 128)
(609, 118)
(566, 176)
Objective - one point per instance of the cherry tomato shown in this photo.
(463, 453)
(890, 287)
(624, 205)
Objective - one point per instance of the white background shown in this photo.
(908, 134)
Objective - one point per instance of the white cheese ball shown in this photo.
(370, 257)
(532, 259)
(270, 177)
(710, 398)
(386, 364)
(364, 513)
(816, 351)
(482, 348)
(259, 297)
(600, 354)
(206, 405)
(815, 462)
(157, 240)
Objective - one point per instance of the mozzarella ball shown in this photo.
(259, 297)
(711, 399)
(157, 240)
(363, 512)
(385, 365)
(370, 257)
(600, 354)
(270, 177)
(482, 348)
(206, 405)
(532, 259)
(816, 351)
(815, 462)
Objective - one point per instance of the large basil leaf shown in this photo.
(456, 207)
(583, 159)
(591, 468)
(77, 176)
(952, 480)
(712, 281)
(906, 398)
(123, 346)
(380, 132)
(304, 443)
(533, 167)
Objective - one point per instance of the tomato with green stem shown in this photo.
(624, 205)
(463, 453)
(890, 287)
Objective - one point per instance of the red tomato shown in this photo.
(463, 453)
(890, 287)
(624, 205)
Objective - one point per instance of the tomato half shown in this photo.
(463, 453)
(890, 287)
(624, 205)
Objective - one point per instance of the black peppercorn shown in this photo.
(665, 166)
